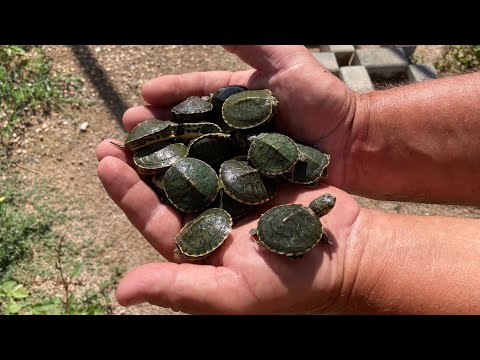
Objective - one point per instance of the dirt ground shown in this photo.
(56, 148)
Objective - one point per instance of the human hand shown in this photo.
(241, 277)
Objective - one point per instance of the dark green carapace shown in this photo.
(293, 229)
(204, 234)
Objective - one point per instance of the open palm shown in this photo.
(241, 277)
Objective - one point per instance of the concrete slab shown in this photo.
(408, 50)
(328, 60)
(343, 53)
(421, 72)
(382, 63)
(356, 78)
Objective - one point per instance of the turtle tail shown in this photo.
(118, 145)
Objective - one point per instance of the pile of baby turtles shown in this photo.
(221, 158)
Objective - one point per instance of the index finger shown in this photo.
(157, 222)
(169, 90)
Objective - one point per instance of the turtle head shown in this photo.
(274, 101)
(252, 137)
(322, 205)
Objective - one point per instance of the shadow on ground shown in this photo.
(99, 78)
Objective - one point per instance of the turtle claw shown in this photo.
(118, 145)
(325, 239)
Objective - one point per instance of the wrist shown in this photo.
(355, 161)
(345, 142)
(368, 253)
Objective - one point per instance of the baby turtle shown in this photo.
(204, 234)
(189, 131)
(235, 208)
(241, 136)
(293, 229)
(245, 184)
(219, 96)
(193, 109)
(156, 184)
(190, 185)
(310, 168)
(157, 157)
(211, 148)
(272, 153)
(248, 109)
(149, 132)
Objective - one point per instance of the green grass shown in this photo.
(47, 257)
(459, 58)
(35, 248)
(27, 85)
(20, 228)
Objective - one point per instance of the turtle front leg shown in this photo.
(325, 239)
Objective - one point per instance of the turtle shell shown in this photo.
(245, 184)
(273, 153)
(242, 136)
(211, 148)
(311, 167)
(149, 132)
(193, 109)
(235, 208)
(204, 234)
(227, 129)
(157, 157)
(294, 229)
(248, 109)
(190, 185)
(291, 230)
(243, 158)
(156, 184)
(190, 131)
(219, 96)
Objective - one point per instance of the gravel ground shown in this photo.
(56, 148)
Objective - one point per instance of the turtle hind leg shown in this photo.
(325, 239)
(295, 257)
(254, 234)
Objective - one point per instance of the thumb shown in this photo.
(270, 58)
(186, 287)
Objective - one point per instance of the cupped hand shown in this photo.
(241, 276)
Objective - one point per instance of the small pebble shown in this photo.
(83, 126)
